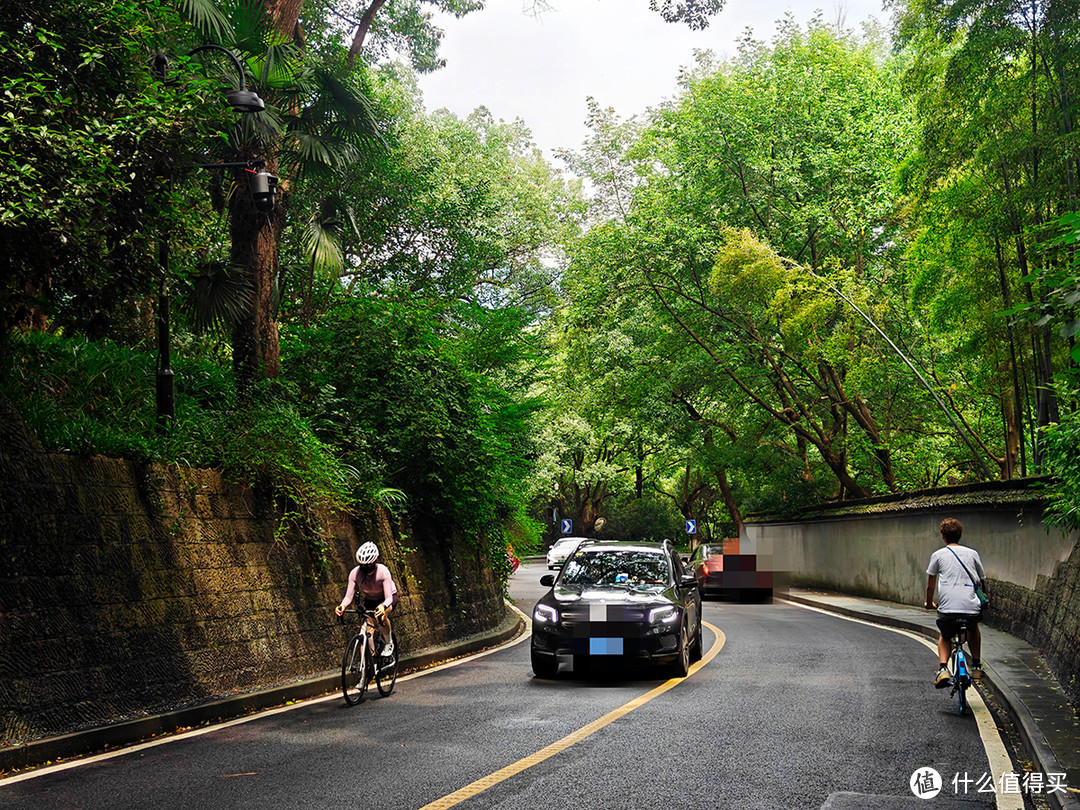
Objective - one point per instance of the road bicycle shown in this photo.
(364, 660)
(959, 666)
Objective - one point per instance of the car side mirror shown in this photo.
(687, 579)
(547, 580)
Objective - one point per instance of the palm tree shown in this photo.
(317, 122)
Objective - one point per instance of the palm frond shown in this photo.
(352, 109)
(390, 498)
(252, 131)
(280, 66)
(314, 150)
(209, 19)
(220, 295)
(253, 26)
(322, 239)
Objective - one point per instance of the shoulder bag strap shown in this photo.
(973, 583)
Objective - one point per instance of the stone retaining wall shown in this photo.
(130, 589)
(880, 548)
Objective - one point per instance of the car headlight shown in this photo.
(545, 614)
(665, 614)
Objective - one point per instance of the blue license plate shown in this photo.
(605, 646)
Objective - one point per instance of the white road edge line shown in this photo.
(1000, 763)
(198, 732)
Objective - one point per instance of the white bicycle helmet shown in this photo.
(367, 553)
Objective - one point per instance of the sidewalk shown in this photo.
(1047, 723)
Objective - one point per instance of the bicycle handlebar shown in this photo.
(370, 614)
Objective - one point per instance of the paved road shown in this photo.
(796, 707)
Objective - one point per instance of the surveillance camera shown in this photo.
(263, 190)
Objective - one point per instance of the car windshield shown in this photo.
(615, 568)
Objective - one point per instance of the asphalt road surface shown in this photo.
(795, 709)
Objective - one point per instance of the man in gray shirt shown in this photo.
(956, 597)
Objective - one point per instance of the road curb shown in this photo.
(1027, 727)
(95, 740)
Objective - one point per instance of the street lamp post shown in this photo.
(166, 397)
(244, 101)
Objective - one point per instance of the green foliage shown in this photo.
(95, 397)
(270, 445)
(88, 141)
(747, 273)
(644, 519)
(995, 165)
(694, 330)
(387, 382)
(82, 396)
(1063, 440)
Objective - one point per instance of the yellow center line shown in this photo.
(501, 775)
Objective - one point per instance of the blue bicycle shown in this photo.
(958, 666)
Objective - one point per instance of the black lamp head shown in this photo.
(245, 101)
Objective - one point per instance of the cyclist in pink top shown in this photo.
(374, 581)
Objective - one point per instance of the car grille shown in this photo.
(599, 612)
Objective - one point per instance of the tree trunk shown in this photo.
(255, 237)
(362, 31)
(730, 502)
(1016, 426)
(255, 247)
(639, 471)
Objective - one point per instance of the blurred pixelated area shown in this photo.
(736, 569)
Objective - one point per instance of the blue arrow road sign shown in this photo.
(691, 527)
(567, 526)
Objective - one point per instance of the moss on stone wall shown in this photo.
(1047, 617)
(129, 589)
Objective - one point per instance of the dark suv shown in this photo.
(628, 601)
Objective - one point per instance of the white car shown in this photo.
(561, 549)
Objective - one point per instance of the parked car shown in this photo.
(729, 572)
(618, 602)
(560, 550)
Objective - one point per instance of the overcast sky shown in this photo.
(617, 51)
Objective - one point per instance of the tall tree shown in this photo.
(996, 84)
(378, 27)
(762, 215)
(317, 121)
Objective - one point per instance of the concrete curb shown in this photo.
(1031, 737)
(97, 739)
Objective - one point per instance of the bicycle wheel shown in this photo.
(962, 679)
(386, 668)
(354, 670)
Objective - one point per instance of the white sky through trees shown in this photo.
(542, 69)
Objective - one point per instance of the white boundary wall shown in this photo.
(882, 548)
